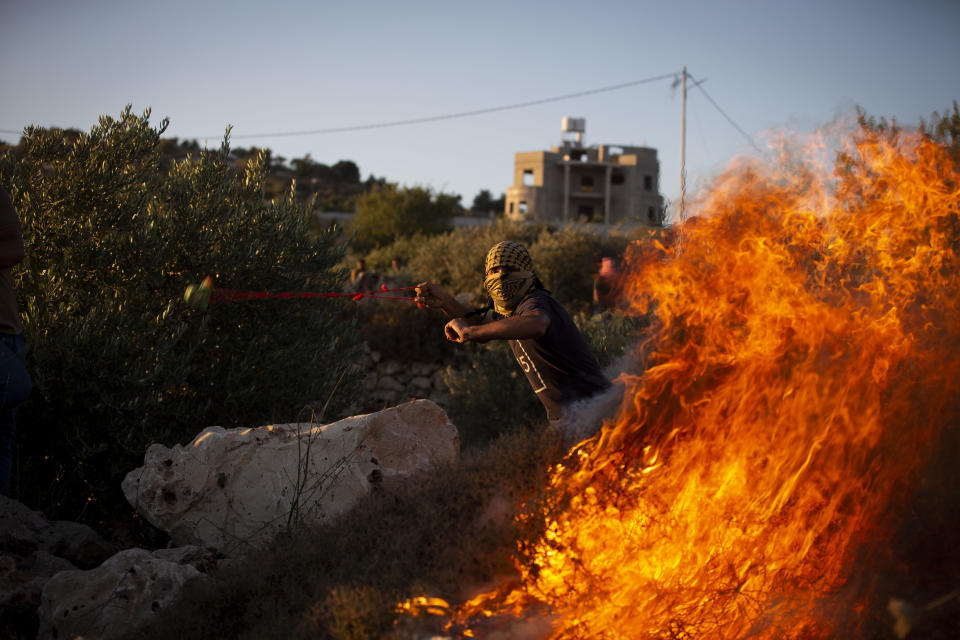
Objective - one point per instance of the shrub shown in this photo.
(490, 396)
(453, 259)
(567, 260)
(610, 333)
(389, 212)
(405, 333)
(117, 358)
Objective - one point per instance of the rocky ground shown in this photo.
(63, 580)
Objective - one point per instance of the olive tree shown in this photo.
(119, 360)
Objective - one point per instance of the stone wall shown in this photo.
(387, 383)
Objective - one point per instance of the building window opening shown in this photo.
(579, 156)
(522, 206)
(585, 212)
(651, 215)
(586, 183)
(511, 207)
(528, 177)
(648, 182)
(617, 178)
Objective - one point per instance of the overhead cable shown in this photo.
(476, 112)
(448, 116)
(749, 138)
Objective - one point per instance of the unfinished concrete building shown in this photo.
(610, 184)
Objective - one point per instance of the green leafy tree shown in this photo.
(307, 167)
(389, 212)
(454, 259)
(346, 171)
(118, 359)
(484, 203)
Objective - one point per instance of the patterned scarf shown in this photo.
(508, 289)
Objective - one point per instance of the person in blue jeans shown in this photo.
(15, 383)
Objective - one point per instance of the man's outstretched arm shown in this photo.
(530, 325)
(435, 296)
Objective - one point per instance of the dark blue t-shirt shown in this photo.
(559, 365)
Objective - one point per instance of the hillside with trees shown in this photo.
(335, 187)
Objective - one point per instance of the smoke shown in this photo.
(584, 418)
(529, 629)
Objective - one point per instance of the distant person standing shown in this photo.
(15, 384)
(358, 271)
(606, 284)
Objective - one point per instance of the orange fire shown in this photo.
(802, 357)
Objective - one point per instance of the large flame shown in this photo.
(802, 362)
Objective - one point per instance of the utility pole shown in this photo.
(683, 148)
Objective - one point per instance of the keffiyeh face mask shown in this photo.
(508, 289)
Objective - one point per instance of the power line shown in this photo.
(475, 112)
(448, 116)
(749, 138)
(425, 119)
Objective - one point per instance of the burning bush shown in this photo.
(802, 368)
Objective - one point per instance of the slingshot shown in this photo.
(202, 295)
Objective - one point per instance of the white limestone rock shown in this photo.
(235, 489)
(117, 597)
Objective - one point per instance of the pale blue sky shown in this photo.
(290, 66)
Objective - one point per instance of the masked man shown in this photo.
(548, 346)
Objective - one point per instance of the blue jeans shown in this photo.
(15, 386)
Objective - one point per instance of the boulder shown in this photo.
(24, 531)
(21, 584)
(119, 596)
(22, 579)
(32, 550)
(235, 489)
